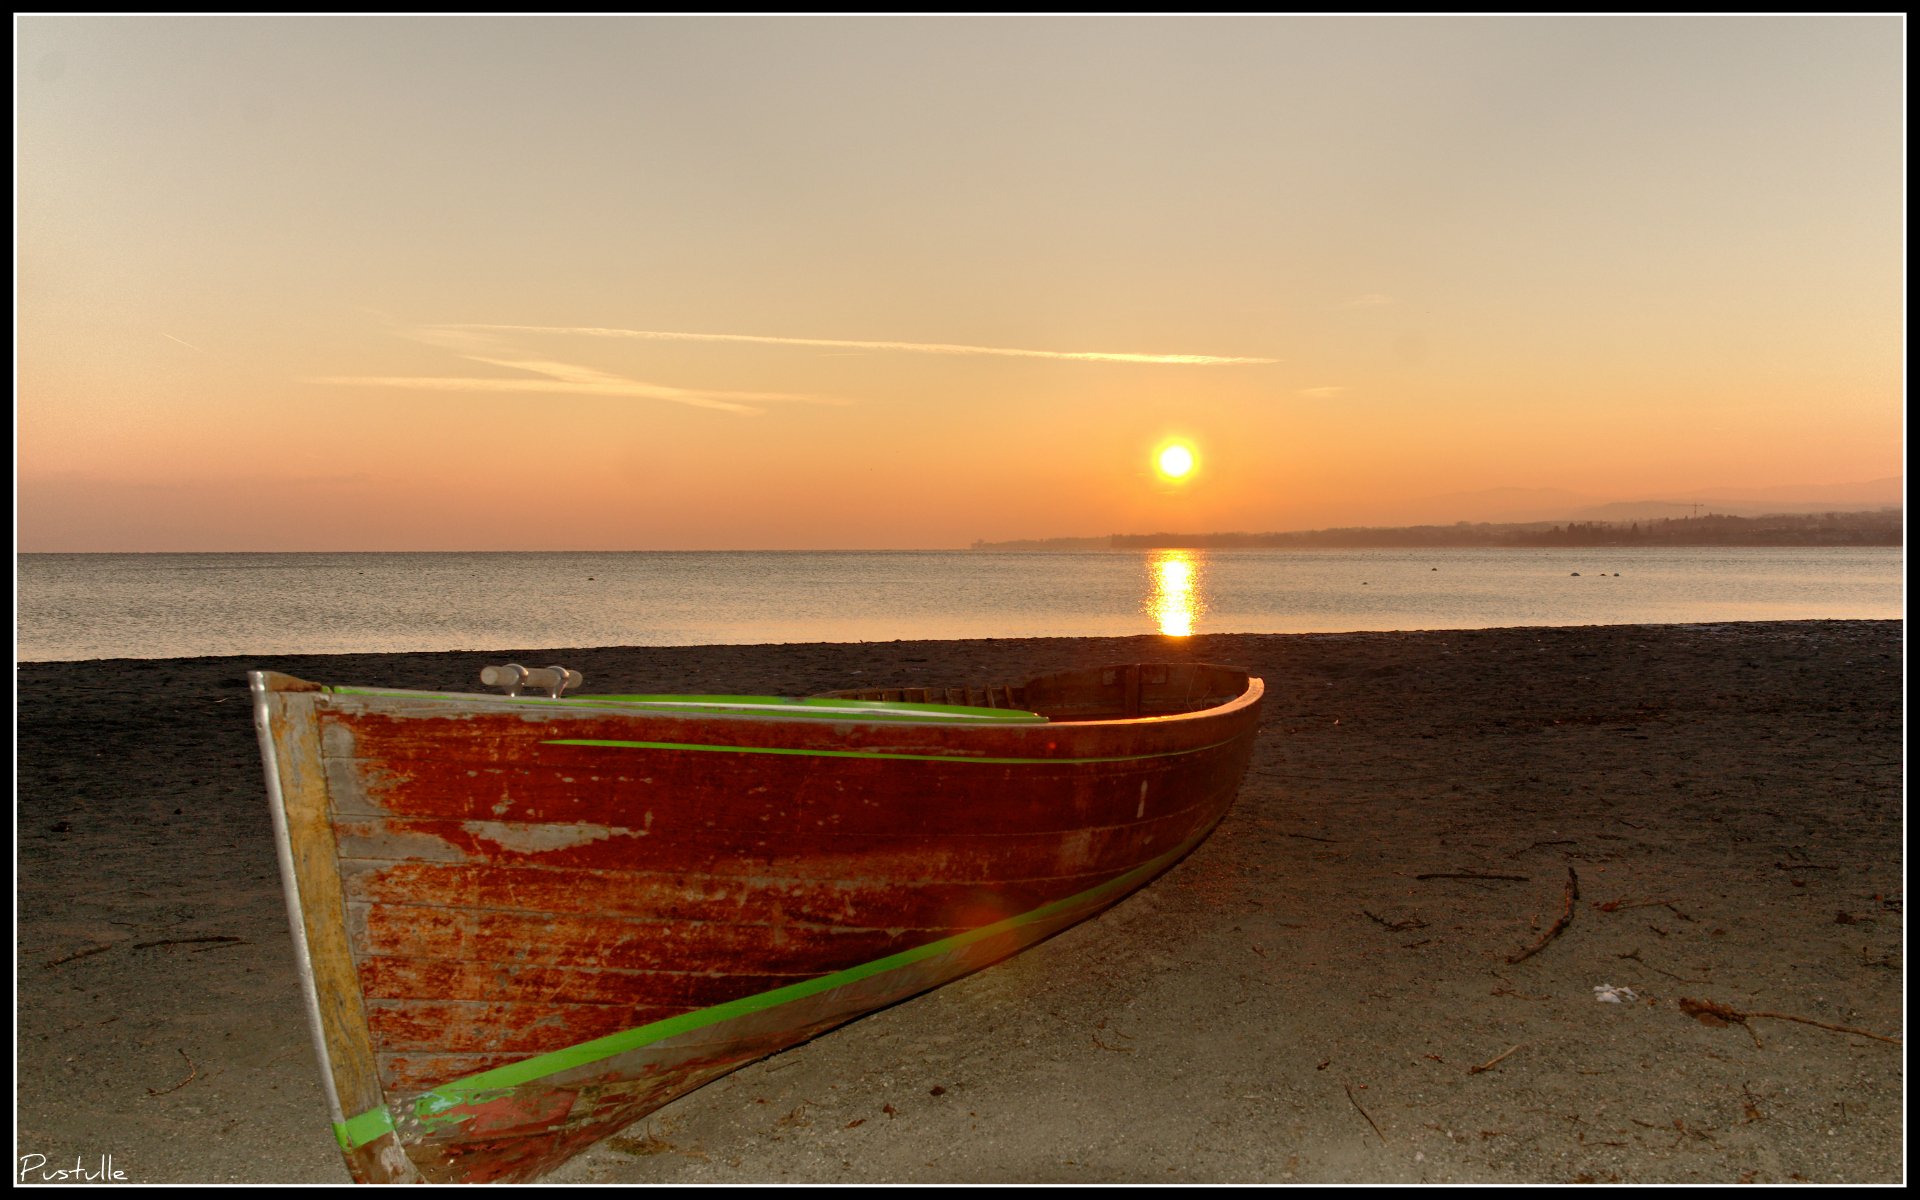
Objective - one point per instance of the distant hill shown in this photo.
(1059, 543)
(1877, 527)
(1513, 505)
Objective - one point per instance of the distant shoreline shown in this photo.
(1880, 527)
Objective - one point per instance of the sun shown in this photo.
(1175, 460)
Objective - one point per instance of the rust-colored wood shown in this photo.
(481, 893)
(594, 790)
(429, 979)
(765, 898)
(756, 855)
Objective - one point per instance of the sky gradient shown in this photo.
(739, 283)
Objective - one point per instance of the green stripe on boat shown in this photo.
(356, 1132)
(615, 744)
(828, 703)
(431, 1106)
(810, 707)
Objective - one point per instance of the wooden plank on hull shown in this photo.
(675, 896)
(984, 859)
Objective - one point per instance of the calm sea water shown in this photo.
(74, 606)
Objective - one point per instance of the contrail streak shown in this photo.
(562, 378)
(480, 343)
(1188, 360)
(458, 384)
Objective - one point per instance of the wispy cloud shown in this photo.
(555, 377)
(1320, 393)
(1188, 360)
(487, 345)
(630, 387)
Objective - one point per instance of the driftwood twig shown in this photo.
(1711, 1013)
(1622, 903)
(1363, 1112)
(1566, 916)
(1491, 1063)
(82, 953)
(1396, 926)
(193, 1073)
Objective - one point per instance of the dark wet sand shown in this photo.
(1310, 997)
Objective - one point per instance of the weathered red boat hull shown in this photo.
(526, 924)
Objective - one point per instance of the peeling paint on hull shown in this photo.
(528, 925)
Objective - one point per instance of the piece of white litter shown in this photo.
(1606, 993)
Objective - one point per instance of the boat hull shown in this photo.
(525, 925)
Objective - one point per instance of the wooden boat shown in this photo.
(526, 921)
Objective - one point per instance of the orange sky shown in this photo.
(663, 283)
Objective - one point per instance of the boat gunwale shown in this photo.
(366, 699)
(753, 707)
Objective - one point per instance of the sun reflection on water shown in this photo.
(1174, 598)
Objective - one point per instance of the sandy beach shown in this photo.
(1325, 991)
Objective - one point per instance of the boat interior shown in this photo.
(1088, 694)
